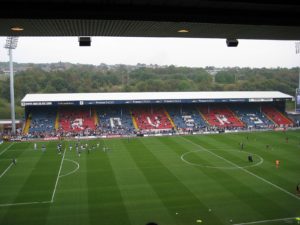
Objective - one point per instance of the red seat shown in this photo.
(276, 116)
(76, 120)
(148, 119)
(220, 117)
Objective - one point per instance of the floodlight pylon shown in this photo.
(11, 43)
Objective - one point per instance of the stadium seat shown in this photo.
(151, 118)
(186, 117)
(276, 116)
(72, 119)
(114, 120)
(42, 120)
(220, 116)
(252, 116)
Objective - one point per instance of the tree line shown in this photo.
(122, 78)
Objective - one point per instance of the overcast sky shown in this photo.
(161, 51)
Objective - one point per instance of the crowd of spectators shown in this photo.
(116, 122)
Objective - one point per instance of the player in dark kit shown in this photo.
(242, 145)
(250, 159)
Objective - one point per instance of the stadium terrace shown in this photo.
(152, 113)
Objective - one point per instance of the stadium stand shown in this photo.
(41, 120)
(276, 116)
(118, 120)
(295, 118)
(114, 120)
(151, 118)
(122, 114)
(252, 116)
(220, 116)
(75, 119)
(186, 117)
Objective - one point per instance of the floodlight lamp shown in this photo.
(84, 41)
(183, 31)
(232, 42)
(11, 42)
(17, 29)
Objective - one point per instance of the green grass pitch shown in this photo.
(203, 179)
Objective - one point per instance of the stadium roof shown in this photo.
(243, 19)
(152, 97)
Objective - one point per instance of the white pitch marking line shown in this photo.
(53, 194)
(6, 148)
(20, 149)
(23, 203)
(6, 170)
(73, 170)
(265, 221)
(220, 167)
(247, 171)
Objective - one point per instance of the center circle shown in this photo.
(222, 160)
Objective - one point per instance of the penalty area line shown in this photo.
(265, 221)
(6, 170)
(7, 148)
(246, 171)
(57, 178)
(24, 203)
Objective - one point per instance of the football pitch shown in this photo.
(203, 179)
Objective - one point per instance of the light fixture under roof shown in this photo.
(183, 31)
(84, 41)
(232, 42)
(17, 29)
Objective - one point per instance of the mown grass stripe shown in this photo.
(142, 203)
(279, 176)
(254, 194)
(173, 193)
(276, 143)
(32, 187)
(104, 197)
(58, 176)
(71, 199)
(250, 173)
(220, 191)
